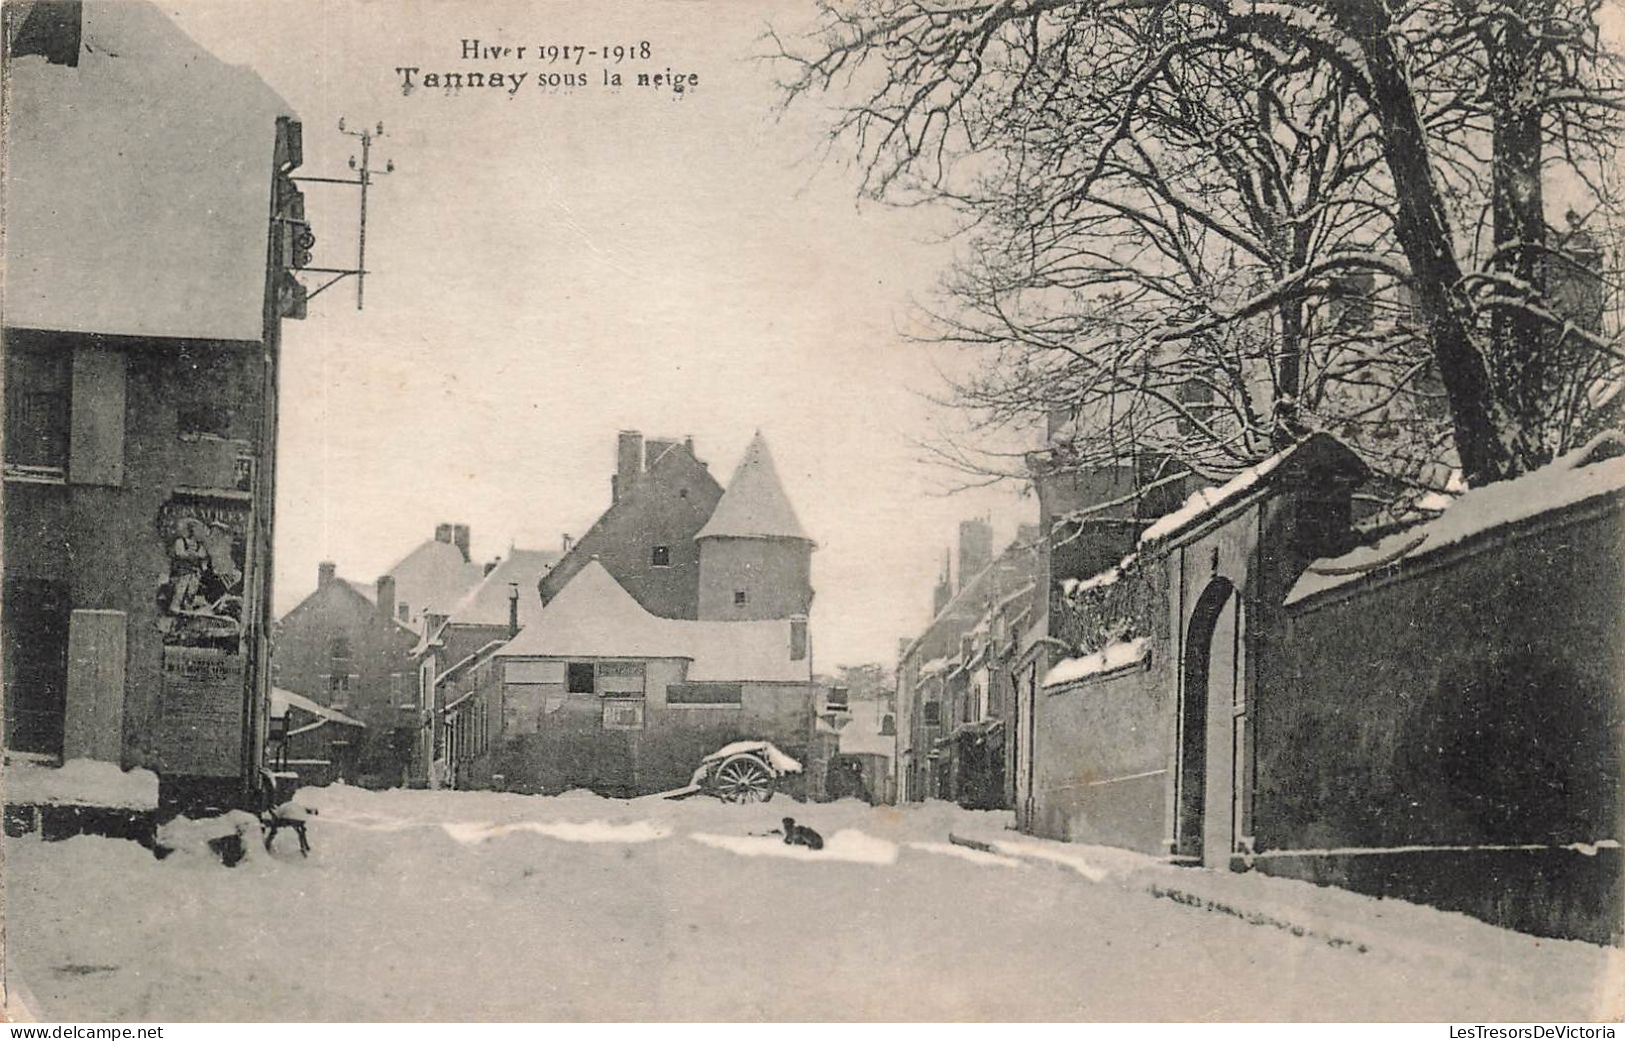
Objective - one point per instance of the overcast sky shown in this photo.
(552, 267)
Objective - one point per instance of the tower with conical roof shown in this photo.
(755, 558)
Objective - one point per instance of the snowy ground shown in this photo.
(482, 906)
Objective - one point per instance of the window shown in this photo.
(37, 396)
(203, 419)
(1196, 398)
(578, 678)
(339, 647)
(741, 598)
(339, 682)
(661, 557)
(931, 715)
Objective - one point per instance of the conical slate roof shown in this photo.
(755, 506)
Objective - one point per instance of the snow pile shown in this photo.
(848, 845)
(1109, 659)
(830, 934)
(975, 856)
(565, 831)
(1073, 586)
(1594, 471)
(186, 835)
(81, 782)
(780, 762)
(1205, 500)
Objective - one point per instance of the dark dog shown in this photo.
(801, 835)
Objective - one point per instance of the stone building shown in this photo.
(676, 625)
(956, 726)
(1429, 711)
(150, 227)
(684, 548)
(345, 647)
(599, 693)
(661, 496)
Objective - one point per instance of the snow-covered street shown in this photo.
(484, 906)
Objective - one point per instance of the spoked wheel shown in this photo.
(743, 778)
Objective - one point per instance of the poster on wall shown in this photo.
(200, 613)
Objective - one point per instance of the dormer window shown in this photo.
(660, 556)
(741, 598)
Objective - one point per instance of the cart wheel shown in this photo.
(743, 778)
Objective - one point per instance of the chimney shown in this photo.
(386, 597)
(975, 548)
(944, 591)
(324, 573)
(628, 462)
(513, 609)
(491, 565)
(442, 532)
(568, 542)
(654, 448)
(688, 443)
(459, 538)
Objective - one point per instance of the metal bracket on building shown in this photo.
(364, 176)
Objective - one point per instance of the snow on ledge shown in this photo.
(1112, 658)
(1596, 470)
(81, 782)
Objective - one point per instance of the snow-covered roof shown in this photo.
(81, 782)
(138, 184)
(1109, 659)
(434, 577)
(283, 700)
(595, 617)
(1205, 502)
(1595, 471)
(755, 505)
(487, 603)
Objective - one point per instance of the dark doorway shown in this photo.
(1193, 721)
(36, 664)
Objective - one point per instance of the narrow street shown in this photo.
(484, 906)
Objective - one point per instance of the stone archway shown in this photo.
(1205, 686)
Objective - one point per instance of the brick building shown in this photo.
(344, 647)
(676, 625)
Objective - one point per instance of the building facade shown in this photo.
(956, 724)
(141, 415)
(345, 647)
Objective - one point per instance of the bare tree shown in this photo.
(1175, 206)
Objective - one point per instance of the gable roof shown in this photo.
(358, 590)
(636, 497)
(755, 505)
(434, 577)
(593, 616)
(1319, 449)
(487, 603)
